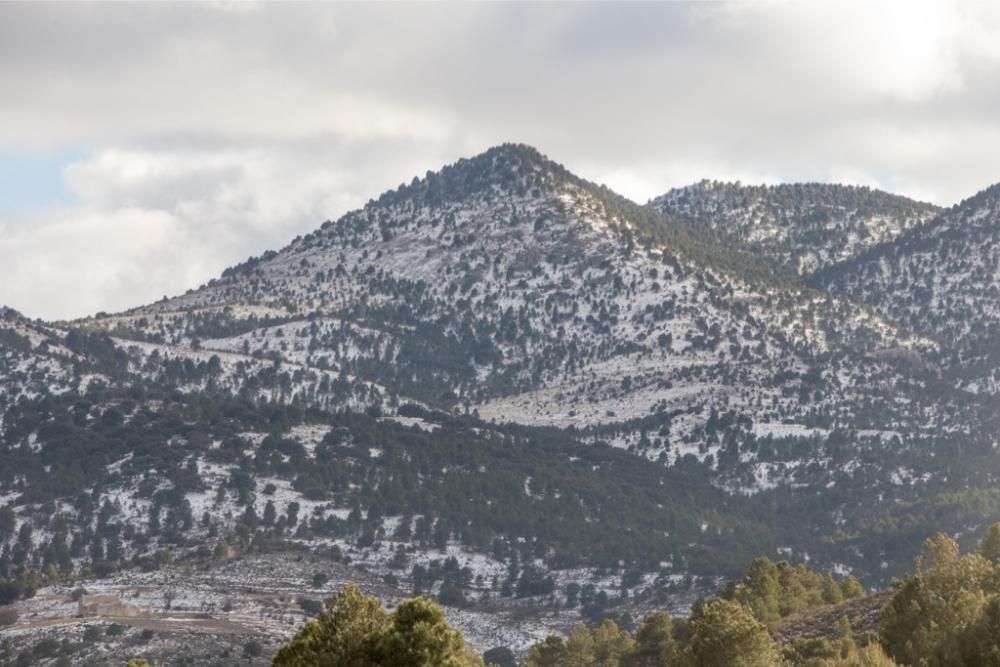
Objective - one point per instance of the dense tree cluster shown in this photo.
(948, 611)
(12, 340)
(946, 614)
(519, 494)
(460, 481)
(729, 630)
(355, 630)
(773, 591)
(801, 227)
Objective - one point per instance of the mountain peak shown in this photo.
(513, 151)
(506, 168)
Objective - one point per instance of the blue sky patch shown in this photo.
(30, 180)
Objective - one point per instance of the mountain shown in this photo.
(940, 279)
(804, 227)
(506, 285)
(508, 387)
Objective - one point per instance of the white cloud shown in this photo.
(156, 222)
(643, 181)
(153, 222)
(909, 51)
(69, 263)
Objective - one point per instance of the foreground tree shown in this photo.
(500, 656)
(981, 645)
(989, 546)
(654, 642)
(726, 633)
(355, 630)
(870, 656)
(928, 618)
(419, 636)
(345, 633)
(549, 653)
(604, 646)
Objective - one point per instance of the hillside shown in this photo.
(803, 227)
(940, 279)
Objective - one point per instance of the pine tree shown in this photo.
(726, 633)
(419, 636)
(355, 630)
(982, 640)
(760, 591)
(270, 514)
(989, 546)
(611, 645)
(925, 620)
(345, 633)
(549, 653)
(654, 642)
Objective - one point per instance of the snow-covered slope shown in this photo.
(941, 279)
(804, 227)
(34, 361)
(506, 284)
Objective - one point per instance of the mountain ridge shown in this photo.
(804, 226)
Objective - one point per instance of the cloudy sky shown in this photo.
(145, 147)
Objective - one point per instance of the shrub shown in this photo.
(92, 633)
(8, 616)
(310, 607)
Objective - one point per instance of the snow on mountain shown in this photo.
(942, 280)
(510, 286)
(805, 227)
